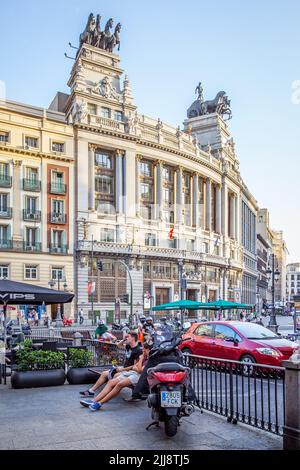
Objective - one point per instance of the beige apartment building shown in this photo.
(36, 197)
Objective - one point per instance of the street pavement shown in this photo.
(52, 418)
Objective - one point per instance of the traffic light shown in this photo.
(100, 266)
(125, 298)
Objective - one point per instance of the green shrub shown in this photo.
(80, 358)
(29, 360)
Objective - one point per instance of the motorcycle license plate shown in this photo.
(170, 399)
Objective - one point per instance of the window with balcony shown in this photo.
(105, 112)
(107, 235)
(57, 274)
(118, 116)
(31, 142)
(31, 272)
(32, 241)
(31, 211)
(58, 215)
(4, 137)
(58, 147)
(31, 181)
(172, 243)
(5, 210)
(4, 271)
(58, 182)
(5, 237)
(104, 160)
(190, 245)
(168, 217)
(58, 241)
(5, 178)
(92, 108)
(150, 239)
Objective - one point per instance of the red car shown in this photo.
(237, 341)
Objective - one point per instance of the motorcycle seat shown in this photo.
(169, 367)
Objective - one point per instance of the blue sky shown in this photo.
(249, 49)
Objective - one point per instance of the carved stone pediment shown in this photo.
(104, 88)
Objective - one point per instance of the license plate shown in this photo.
(170, 399)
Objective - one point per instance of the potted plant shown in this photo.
(80, 361)
(37, 368)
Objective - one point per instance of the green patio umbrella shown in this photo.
(178, 305)
(223, 305)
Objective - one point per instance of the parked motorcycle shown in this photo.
(171, 395)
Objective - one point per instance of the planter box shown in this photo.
(80, 376)
(38, 378)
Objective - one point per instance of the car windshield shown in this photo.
(254, 331)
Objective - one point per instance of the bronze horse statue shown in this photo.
(88, 34)
(115, 39)
(220, 105)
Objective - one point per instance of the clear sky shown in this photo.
(250, 49)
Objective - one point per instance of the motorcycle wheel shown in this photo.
(171, 424)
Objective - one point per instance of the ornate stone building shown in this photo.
(36, 196)
(159, 198)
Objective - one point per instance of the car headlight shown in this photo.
(268, 352)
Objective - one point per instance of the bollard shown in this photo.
(77, 339)
(291, 428)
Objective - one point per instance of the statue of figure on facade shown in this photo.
(105, 88)
(220, 105)
(132, 122)
(87, 36)
(200, 90)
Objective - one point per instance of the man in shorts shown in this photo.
(128, 378)
(132, 355)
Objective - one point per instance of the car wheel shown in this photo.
(248, 360)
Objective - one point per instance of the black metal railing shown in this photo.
(34, 247)
(5, 181)
(60, 249)
(104, 353)
(58, 218)
(5, 213)
(57, 188)
(31, 215)
(32, 185)
(6, 244)
(243, 392)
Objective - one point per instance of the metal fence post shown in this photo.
(291, 428)
(77, 339)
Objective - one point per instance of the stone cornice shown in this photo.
(30, 153)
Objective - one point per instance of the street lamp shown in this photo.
(273, 274)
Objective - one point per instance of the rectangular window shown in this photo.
(104, 184)
(57, 274)
(168, 217)
(190, 245)
(58, 207)
(146, 192)
(4, 137)
(105, 207)
(107, 235)
(31, 205)
(103, 160)
(31, 142)
(3, 233)
(172, 243)
(105, 113)
(168, 196)
(4, 271)
(31, 237)
(31, 272)
(4, 170)
(146, 212)
(32, 174)
(150, 239)
(92, 109)
(3, 202)
(58, 147)
(146, 169)
(168, 174)
(118, 116)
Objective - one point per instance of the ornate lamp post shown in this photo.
(273, 274)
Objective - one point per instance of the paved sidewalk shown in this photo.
(52, 418)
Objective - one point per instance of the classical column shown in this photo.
(179, 195)
(91, 172)
(138, 185)
(17, 187)
(195, 200)
(218, 210)
(237, 218)
(119, 182)
(158, 201)
(208, 205)
(232, 216)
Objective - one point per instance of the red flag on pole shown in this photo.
(91, 287)
(171, 234)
